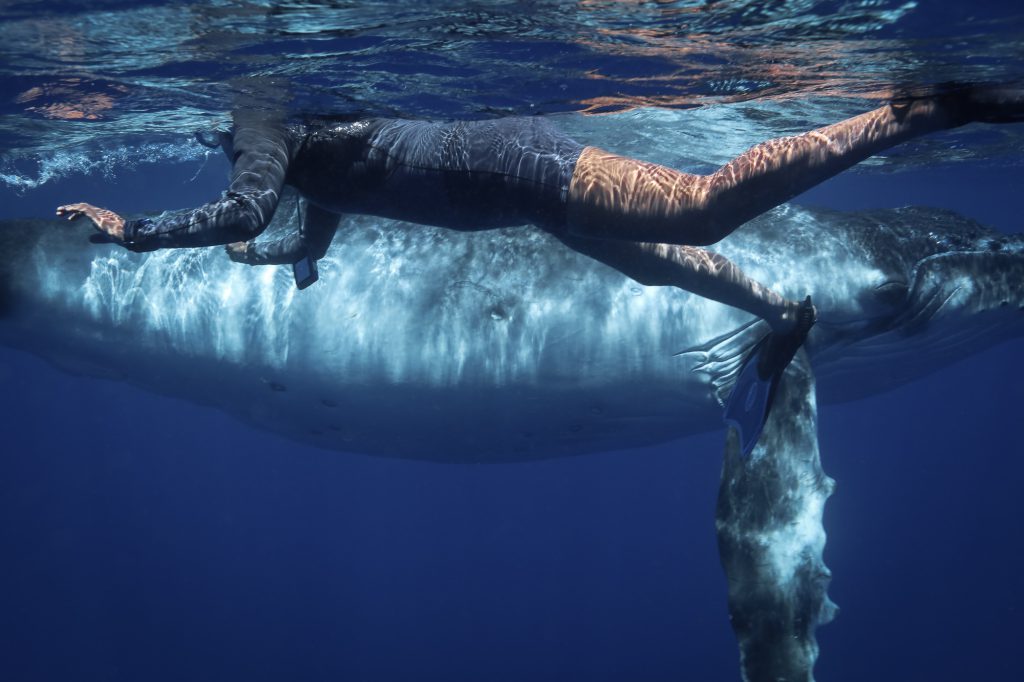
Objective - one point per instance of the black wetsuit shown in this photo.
(462, 175)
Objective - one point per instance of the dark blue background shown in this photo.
(181, 545)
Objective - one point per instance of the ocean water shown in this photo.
(147, 538)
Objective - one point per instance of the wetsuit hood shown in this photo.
(218, 138)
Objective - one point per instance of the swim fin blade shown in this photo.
(751, 398)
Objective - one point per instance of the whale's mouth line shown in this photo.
(947, 299)
(891, 283)
(917, 316)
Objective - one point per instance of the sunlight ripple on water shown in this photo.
(122, 77)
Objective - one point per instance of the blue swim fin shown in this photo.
(751, 398)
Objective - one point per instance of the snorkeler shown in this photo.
(645, 220)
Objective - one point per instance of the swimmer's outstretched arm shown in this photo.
(614, 197)
(312, 239)
(262, 148)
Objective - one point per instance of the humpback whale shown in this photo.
(545, 351)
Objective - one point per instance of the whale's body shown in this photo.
(503, 345)
(427, 343)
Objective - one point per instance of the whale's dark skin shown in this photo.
(416, 331)
(549, 351)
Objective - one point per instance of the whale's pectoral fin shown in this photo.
(770, 536)
(722, 358)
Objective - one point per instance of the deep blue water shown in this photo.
(181, 545)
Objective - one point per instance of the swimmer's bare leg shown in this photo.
(693, 269)
(615, 197)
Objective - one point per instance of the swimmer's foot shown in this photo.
(751, 399)
(989, 103)
(974, 102)
(779, 347)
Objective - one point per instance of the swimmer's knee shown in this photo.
(684, 232)
(584, 229)
(708, 232)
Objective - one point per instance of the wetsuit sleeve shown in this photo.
(312, 239)
(262, 150)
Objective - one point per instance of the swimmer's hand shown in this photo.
(239, 252)
(105, 221)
